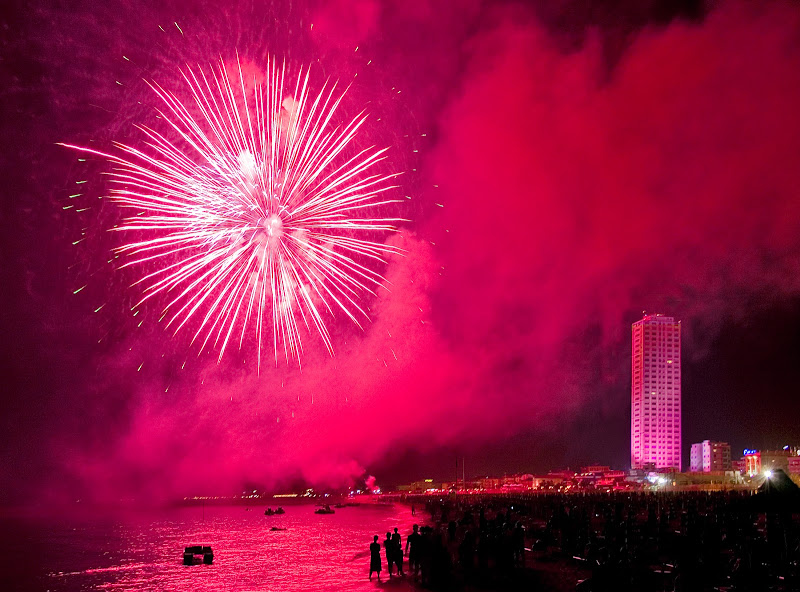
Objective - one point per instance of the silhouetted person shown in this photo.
(388, 547)
(398, 552)
(375, 558)
(466, 552)
(519, 545)
(413, 549)
(425, 544)
(440, 562)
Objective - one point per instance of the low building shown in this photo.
(756, 462)
(752, 462)
(522, 479)
(418, 487)
(705, 481)
(775, 459)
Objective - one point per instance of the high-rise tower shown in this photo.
(656, 394)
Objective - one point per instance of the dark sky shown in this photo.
(569, 164)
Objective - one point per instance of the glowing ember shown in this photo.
(255, 210)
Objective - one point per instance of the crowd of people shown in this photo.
(631, 541)
(433, 552)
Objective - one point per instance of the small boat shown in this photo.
(337, 506)
(326, 509)
(280, 510)
(204, 550)
(276, 528)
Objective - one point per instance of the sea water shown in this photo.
(143, 550)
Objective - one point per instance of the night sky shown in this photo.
(566, 167)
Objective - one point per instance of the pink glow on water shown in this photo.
(143, 552)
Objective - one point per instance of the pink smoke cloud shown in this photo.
(571, 196)
(343, 24)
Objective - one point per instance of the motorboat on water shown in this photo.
(191, 551)
(326, 509)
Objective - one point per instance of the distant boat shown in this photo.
(204, 550)
(276, 528)
(270, 511)
(326, 509)
(280, 510)
(339, 506)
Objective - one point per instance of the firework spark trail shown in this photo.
(253, 215)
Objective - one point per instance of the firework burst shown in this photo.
(257, 210)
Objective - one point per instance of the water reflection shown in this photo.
(145, 552)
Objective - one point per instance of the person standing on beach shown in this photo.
(398, 552)
(388, 546)
(375, 558)
(412, 541)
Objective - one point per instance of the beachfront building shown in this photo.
(755, 462)
(656, 394)
(708, 456)
(752, 462)
(772, 460)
